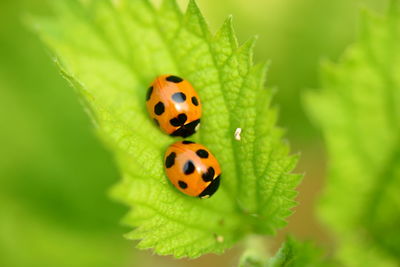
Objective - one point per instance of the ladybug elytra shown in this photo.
(174, 105)
(192, 169)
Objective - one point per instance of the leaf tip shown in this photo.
(193, 15)
(228, 24)
(193, 7)
(171, 5)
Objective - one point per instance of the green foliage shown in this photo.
(293, 253)
(110, 52)
(53, 173)
(317, 28)
(358, 111)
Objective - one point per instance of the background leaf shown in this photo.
(359, 112)
(53, 174)
(110, 52)
(293, 253)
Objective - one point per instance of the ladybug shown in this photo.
(174, 105)
(192, 169)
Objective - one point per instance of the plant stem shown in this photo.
(255, 253)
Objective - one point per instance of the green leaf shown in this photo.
(292, 253)
(53, 172)
(111, 51)
(358, 110)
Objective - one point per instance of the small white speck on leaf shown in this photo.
(238, 131)
(219, 238)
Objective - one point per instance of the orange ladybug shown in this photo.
(192, 169)
(174, 105)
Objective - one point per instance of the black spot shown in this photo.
(182, 184)
(170, 160)
(195, 101)
(187, 129)
(149, 92)
(202, 153)
(156, 122)
(209, 175)
(159, 108)
(178, 121)
(188, 168)
(211, 188)
(174, 79)
(186, 142)
(179, 97)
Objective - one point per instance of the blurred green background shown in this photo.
(55, 174)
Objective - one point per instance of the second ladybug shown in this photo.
(192, 168)
(174, 105)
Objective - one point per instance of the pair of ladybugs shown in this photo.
(175, 107)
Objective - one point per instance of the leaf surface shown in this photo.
(358, 110)
(111, 51)
(292, 253)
